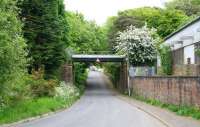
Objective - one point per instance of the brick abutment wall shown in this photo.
(67, 73)
(173, 90)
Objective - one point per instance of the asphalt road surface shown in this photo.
(99, 107)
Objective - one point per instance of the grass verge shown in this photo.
(34, 107)
(182, 110)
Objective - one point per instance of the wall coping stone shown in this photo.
(181, 77)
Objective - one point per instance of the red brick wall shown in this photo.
(121, 83)
(174, 90)
(191, 70)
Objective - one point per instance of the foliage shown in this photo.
(45, 30)
(197, 51)
(85, 35)
(29, 108)
(80, 76)
(39, 87)
(165, 21)
(181, 110)
(67, 91)
(120, 23)
(165, 55)
(113, 71)
(12, 53)
(190, 7)
(137, 44)
(65, 96)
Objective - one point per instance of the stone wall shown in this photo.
(190, 70)
(173, 90)
(183, 70)
(67, 73)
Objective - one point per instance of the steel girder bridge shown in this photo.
(101, 57)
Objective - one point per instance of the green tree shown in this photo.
(85, 35)
(164, 20)
(121, 23)
(12, 52)
(138, 44)
(165, 54)
(190, 7)
(45, 30)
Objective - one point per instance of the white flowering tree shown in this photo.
(137, 44)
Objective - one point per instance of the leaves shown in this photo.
(190, 7)
(85, 35)
(12, 52)
(137, 44)
(45, 29)
(165, 54)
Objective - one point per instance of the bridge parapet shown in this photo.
(95, 52)
(101, 58)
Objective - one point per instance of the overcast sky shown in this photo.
(100, 10)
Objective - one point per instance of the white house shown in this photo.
(184, 42)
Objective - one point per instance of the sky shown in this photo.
(100, 10)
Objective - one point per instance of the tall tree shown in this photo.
(85, 35)
(12, 52)
(164, 20)
(137, 44)
(190, 7)
(45, 29)
(121, 23)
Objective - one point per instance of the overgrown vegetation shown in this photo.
(45, 30)
(138, 45)
(66, 95)
(165, 54)
(80, 76)
(36, 35)
(165, 21)
(190, 111)
(113, 71)
(189, 7)
(12, 54)
(30, 69)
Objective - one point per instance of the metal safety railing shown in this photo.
(95, 52)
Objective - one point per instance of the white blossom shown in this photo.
(137, 43)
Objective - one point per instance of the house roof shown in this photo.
(182, 28)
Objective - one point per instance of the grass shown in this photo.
(31, 108)
(182, 110)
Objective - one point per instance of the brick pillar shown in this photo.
(123, 86)
(67, 73)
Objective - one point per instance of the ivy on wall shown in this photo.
(166, 60)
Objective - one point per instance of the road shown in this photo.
(99, 107)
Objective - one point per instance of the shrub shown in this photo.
(113, 70)
(80, 76)
(166, 60)
(12, 53)
(67, 91)
(138, 44)
(39, 87)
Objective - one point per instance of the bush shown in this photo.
(39, 87)
(166, 60)
(80, 76)
(12, 53)
(67, 91)
(138, 44)
(113, 70)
